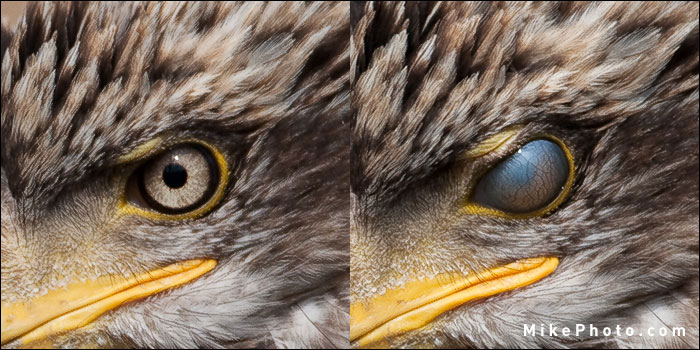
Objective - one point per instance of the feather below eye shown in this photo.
(527, 181)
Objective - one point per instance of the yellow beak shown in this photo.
(78, 304)
(418, 302)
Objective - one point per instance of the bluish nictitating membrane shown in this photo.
(526, 181)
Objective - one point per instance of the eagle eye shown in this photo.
(532, 181)
(179, 181)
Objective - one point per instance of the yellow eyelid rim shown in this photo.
(476, 209)
(141, 151)
(491, 144)
(126, 208)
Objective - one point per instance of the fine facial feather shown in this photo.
(617, 82)
(85, 84)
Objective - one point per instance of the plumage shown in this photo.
(617, 82)
(85, 84)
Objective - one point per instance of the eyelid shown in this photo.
(471, 207)
(491, 144)
(142, 151)
(126, 208)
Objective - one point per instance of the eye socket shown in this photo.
(180, 180)
(531, 181)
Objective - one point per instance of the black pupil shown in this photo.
(174, 175)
